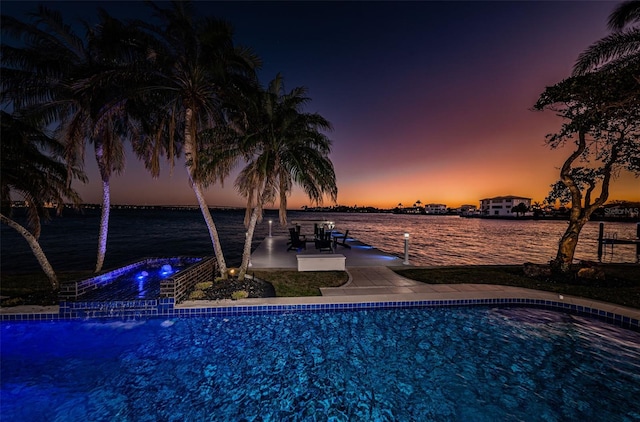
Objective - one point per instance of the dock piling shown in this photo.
(600, 238)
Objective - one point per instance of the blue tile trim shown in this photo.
(166, 308)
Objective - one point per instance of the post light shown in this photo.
(406, 249)
(270, 222)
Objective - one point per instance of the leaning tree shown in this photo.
(32, 168)
(67, 78)
(602, 121)
(600, 104)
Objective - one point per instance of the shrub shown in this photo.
(204, 285)
(196, 294)
(240, 294)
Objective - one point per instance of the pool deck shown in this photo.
(371, 280)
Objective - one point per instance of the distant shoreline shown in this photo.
(363, 210)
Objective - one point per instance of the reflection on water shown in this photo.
(70, 242)
(452, 240)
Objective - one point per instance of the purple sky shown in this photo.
(429, 101)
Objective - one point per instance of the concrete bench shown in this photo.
(327, 262)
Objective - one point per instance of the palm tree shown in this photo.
(28, 172)
(188, 70)
(283, 147)
(619, 48)
(66, 79)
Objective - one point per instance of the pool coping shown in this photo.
(447, 295)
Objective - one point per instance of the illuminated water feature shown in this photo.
(431, 364)
(140, 280)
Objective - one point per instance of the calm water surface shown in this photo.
(70, 242)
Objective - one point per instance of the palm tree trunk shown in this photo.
(35, 247)
(189, 154)
(213, 232)
(106, 206)
(246, 253)
(104, 225)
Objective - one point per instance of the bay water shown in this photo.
(70, 241)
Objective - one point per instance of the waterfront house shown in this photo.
(502, 205)
(467, 209)
(435, 209)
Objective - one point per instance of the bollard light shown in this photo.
(270, 222)
(406, 249)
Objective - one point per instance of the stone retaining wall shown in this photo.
(180, 285)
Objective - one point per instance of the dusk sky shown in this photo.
(430, 101)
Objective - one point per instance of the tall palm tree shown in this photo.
(188, 71)
(283, 147)
(66, 78)
(31, 168)
(619, 48)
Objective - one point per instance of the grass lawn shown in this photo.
(291, 283)
(621, 285)
(34, 288)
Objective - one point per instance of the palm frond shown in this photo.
(624, 14)
(624, 45)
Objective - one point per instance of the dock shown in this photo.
(612, 239)
(272, 253)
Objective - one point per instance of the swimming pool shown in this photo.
(427, 364)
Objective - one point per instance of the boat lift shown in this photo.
(612, 239)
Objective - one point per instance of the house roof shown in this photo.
(505, 197)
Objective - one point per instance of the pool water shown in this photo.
(415, 364)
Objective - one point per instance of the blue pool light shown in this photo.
(166, 270)
(142, 275)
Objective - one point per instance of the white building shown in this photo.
(502, 205)
(467, 209)
(435, 209)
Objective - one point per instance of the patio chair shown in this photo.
(323, 242)
(296, 241)
(344, 239)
